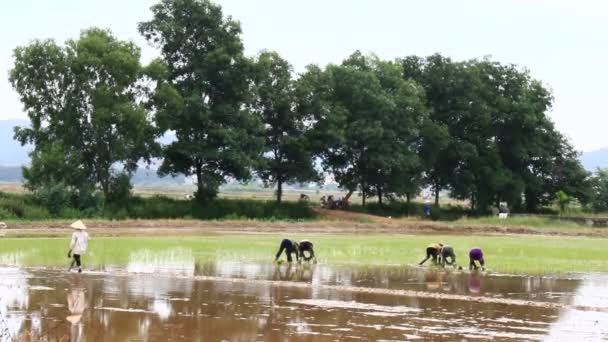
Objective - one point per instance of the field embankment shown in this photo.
(329, 222)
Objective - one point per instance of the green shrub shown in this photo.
(13, 205)
(54, 198)
(5, 214)
(90, 204)
(120, 189)
(88, 200)
(36, 213)
(72, 213)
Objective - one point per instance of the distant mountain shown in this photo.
(149, 177)
(142, 177)
(11, 151)
(594, 159)
(13, 154)
(10, 174)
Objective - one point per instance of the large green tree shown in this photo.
(369, 119)
(501, 145)
(216, 136)
(450, 98)
(287, 156)
(83, 101)
(600, 190)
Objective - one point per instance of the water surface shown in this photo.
(171, 295)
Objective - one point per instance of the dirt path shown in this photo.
(333, 222)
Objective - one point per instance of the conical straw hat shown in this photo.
(74, 319)
(78, 225)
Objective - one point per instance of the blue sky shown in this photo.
(563, 43)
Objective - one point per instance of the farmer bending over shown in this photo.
(448, 252)
(78, 245)
(307, 246)
(432, 251)
(476, 254)
(289, 246)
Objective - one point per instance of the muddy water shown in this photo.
(169, 297)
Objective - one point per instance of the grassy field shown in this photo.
(518, 221)
(508, 254)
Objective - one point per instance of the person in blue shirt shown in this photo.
(427, 208)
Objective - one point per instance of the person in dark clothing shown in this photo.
(448, 252)
(307, 246)
(432, 251)
(289, 246)
(476, 254)
(427, 208)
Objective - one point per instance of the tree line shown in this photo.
(384, 128)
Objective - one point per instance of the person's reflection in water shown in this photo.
(305, 272)
(434, 280)
(474, 283)
(76, 306)
(294, 273)
(287, 273)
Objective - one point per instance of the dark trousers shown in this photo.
(448, 254)
(431, 252)
(76, 260)
(472, 264)
(288, 247)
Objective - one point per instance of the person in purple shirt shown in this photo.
(476, 254)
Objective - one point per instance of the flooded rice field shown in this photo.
(168, 296)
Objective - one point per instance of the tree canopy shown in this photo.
(211, 81)
(287, 156)
(82, 100)
(478, 129)
(369, 118)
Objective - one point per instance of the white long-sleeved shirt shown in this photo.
(80, 240)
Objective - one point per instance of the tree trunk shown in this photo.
(408, 198)
(437, 193)
(279, 189)
(380, 196)
(347, 197)
(473, 202)
(105, 187)
(199, 178)
(363, 195)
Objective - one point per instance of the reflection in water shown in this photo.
(475, 283)
(14, 300)
(584, 325)
(150, 304)
(162, 308)
(76, 306)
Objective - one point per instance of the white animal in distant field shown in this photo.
(3, 225)
(503, 216)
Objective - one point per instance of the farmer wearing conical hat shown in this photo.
(307, 246)
(78, 245)
(432, 251)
